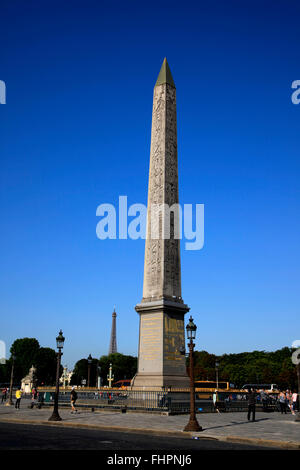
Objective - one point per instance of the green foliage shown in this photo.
(248, 367)
(46, 364)
(5, 373)
(123, 367)
(25, 350)
(29, 353)
(80, 372)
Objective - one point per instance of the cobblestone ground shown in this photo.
(268, 426)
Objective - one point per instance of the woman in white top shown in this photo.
(294, 402)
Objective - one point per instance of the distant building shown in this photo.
(65, 379)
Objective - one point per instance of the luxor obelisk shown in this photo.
(162, 310)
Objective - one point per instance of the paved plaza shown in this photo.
(270, 429)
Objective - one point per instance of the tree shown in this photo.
(5, 372)
(25, 350)
(46, 365)
(29, 353)
(249, 367)
(80, 372)
(124, 367)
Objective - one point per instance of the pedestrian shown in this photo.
(18, 398)
(289, 399)
(282, 402)
(73, 400)
(251, 404)
(294, 402)
(34, 394)
(264, 399)
(4, 394)
(215, 399)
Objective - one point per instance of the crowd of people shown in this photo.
(287, 400)
(18, 395)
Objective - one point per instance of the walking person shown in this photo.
(73, 400)
(289, 399)
(18, 398)
(251, 404)
(294, 402)
(282, 402)
(215, 399)
(4, 395)
(33, 394)
(264, 399)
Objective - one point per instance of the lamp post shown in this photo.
(10, 402)
(193, 424)
(98, 382)
(110, 376)
(298, 374)
(90, 360)
(217, 374)
(65, 377)
(60, 344)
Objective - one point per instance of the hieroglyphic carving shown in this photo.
(162, 276)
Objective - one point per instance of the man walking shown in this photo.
(18, 398)
(4, 394)
(282, 402)
(264, 399)
(251, 404)
(73, 400)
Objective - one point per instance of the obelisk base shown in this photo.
(161, 363)
(153, 382)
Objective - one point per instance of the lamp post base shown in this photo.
(193, 425)
(55, 416)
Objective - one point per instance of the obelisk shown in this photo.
(113, 335)
(162, 310)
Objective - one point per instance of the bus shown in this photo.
(211, 386)
(267, 387)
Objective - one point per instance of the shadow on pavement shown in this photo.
(234, 423)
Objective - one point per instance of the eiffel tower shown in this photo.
(113, 335)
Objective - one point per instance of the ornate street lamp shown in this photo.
(193, 424)
(98, 381)
(90, 360)
(60, 344)
(10, 402)
(298, 374)
(110, 375)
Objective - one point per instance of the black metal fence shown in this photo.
(155, 401)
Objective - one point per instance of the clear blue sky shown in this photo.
(75, 133)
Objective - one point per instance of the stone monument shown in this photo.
(113, 335)
(162, 310)
(29, 381)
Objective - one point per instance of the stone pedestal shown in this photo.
(162, 337)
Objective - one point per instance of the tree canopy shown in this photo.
(123, 367)
(80, 372)
(28, 353)
(248, 367)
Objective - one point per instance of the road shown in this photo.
(35, 437)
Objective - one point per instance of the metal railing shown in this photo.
(174, 402)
